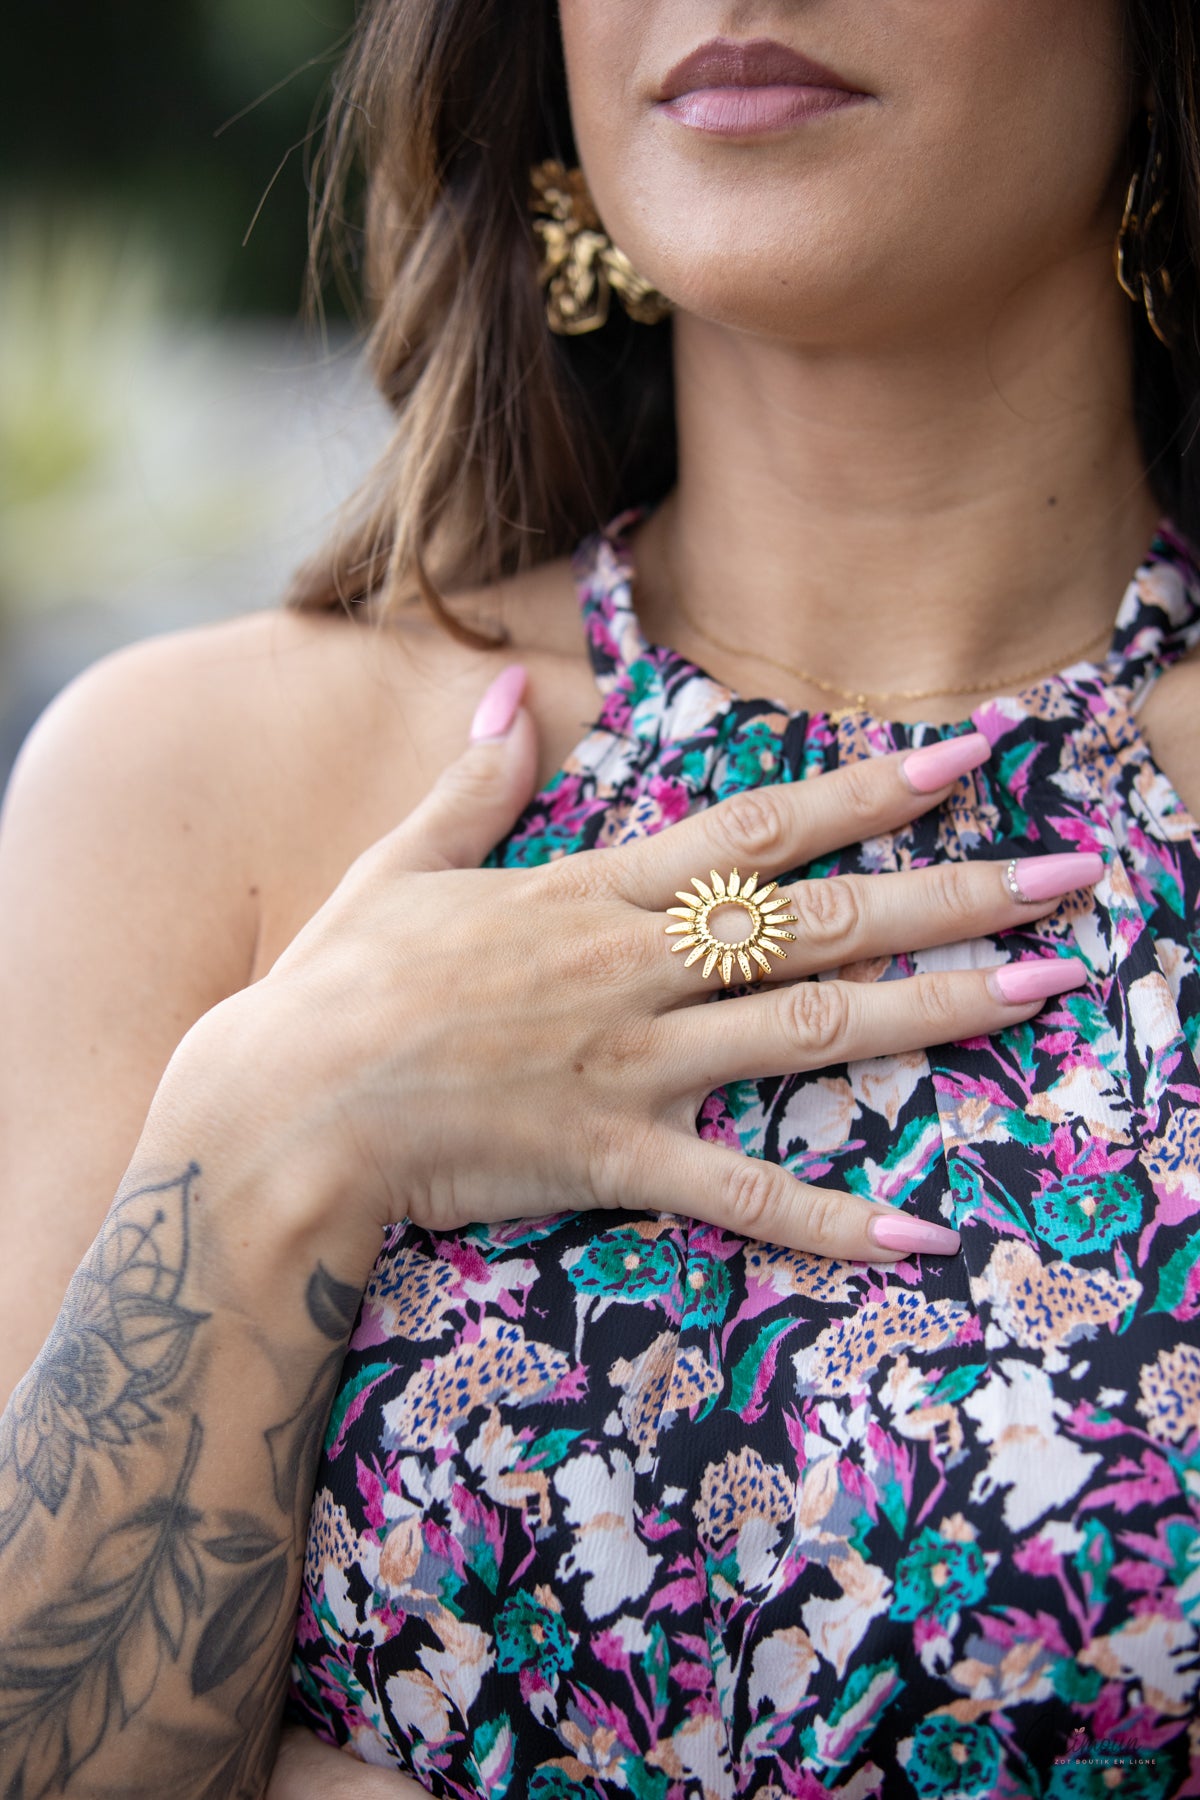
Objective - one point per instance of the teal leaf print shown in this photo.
(658, 1665)
(1071, 1681)
(645, 699)
(1094, 1029)
(643, 1783)
(1025, 1128)
(957, 1384)
(757, 1362)
(904, 1168)
(893, 1505)
(1093, 1563)
(1183, 1543)
(1179, 1280)
(832, 1743)
(492, 1750)
(354, 1390)
(549, 1449)
(481, 1560)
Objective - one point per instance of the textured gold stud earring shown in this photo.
(579, 265)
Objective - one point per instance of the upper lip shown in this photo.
(754, 62)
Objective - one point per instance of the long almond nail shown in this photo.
(937, 765)
(902, 1233)
(1036, 878)
(498, 708)
(1022, 982)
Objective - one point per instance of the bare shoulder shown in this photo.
(1170, 720)
(163, 746)
(259, 757)
(131, 851)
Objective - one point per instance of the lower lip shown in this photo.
(754, 111)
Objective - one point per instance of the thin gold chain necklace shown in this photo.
(860, 696)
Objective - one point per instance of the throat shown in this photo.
(924, 657)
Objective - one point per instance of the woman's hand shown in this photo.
(307, 1769)
(459, 1044)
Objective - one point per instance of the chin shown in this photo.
(801, 301)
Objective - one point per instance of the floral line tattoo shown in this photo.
(162, 1584)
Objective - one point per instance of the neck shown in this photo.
(923, 518)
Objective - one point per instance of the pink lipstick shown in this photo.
(729, 88)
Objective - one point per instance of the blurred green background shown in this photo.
(172, 441)
(168, 119)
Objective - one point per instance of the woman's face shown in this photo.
(984, 143)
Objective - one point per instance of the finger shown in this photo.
(761, 1200)
(818, 1024)
(480, 795)
(845, 919)
(773, 829)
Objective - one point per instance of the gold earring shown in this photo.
(1132, 257)
(579, 265)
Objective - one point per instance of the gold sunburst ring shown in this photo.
(766, 923)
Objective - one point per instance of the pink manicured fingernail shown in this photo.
(498, 708)
(903, 1233)
(1020, 982)
(1050, 877)
(937, 765)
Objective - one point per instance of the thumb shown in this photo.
(480, 795)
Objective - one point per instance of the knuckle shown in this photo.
(755, 824)
(609, 955)
(859, 791)
(581, 876)
(752, 1196)
(936, 999)
(816, 1014)
(468, 783)
(372, 863)
(956, 895)
(821, 1220)
(829, 911)
(635, 1045)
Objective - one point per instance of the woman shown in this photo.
(855, 1448)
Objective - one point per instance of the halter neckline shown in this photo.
(1156, 623)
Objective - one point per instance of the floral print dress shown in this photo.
(623, 1504)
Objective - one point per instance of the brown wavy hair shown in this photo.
(510, 444)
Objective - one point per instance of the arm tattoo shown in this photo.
(161, 1584)
(120, 1340)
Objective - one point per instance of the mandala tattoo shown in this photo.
(163, 1584)
(121, 1338)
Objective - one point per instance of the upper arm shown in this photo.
(126, 912)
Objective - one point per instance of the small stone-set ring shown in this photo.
(1013, 885)
(766, 925)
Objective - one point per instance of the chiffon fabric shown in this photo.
(625, 1505)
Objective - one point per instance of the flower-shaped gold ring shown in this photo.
(765, 932)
